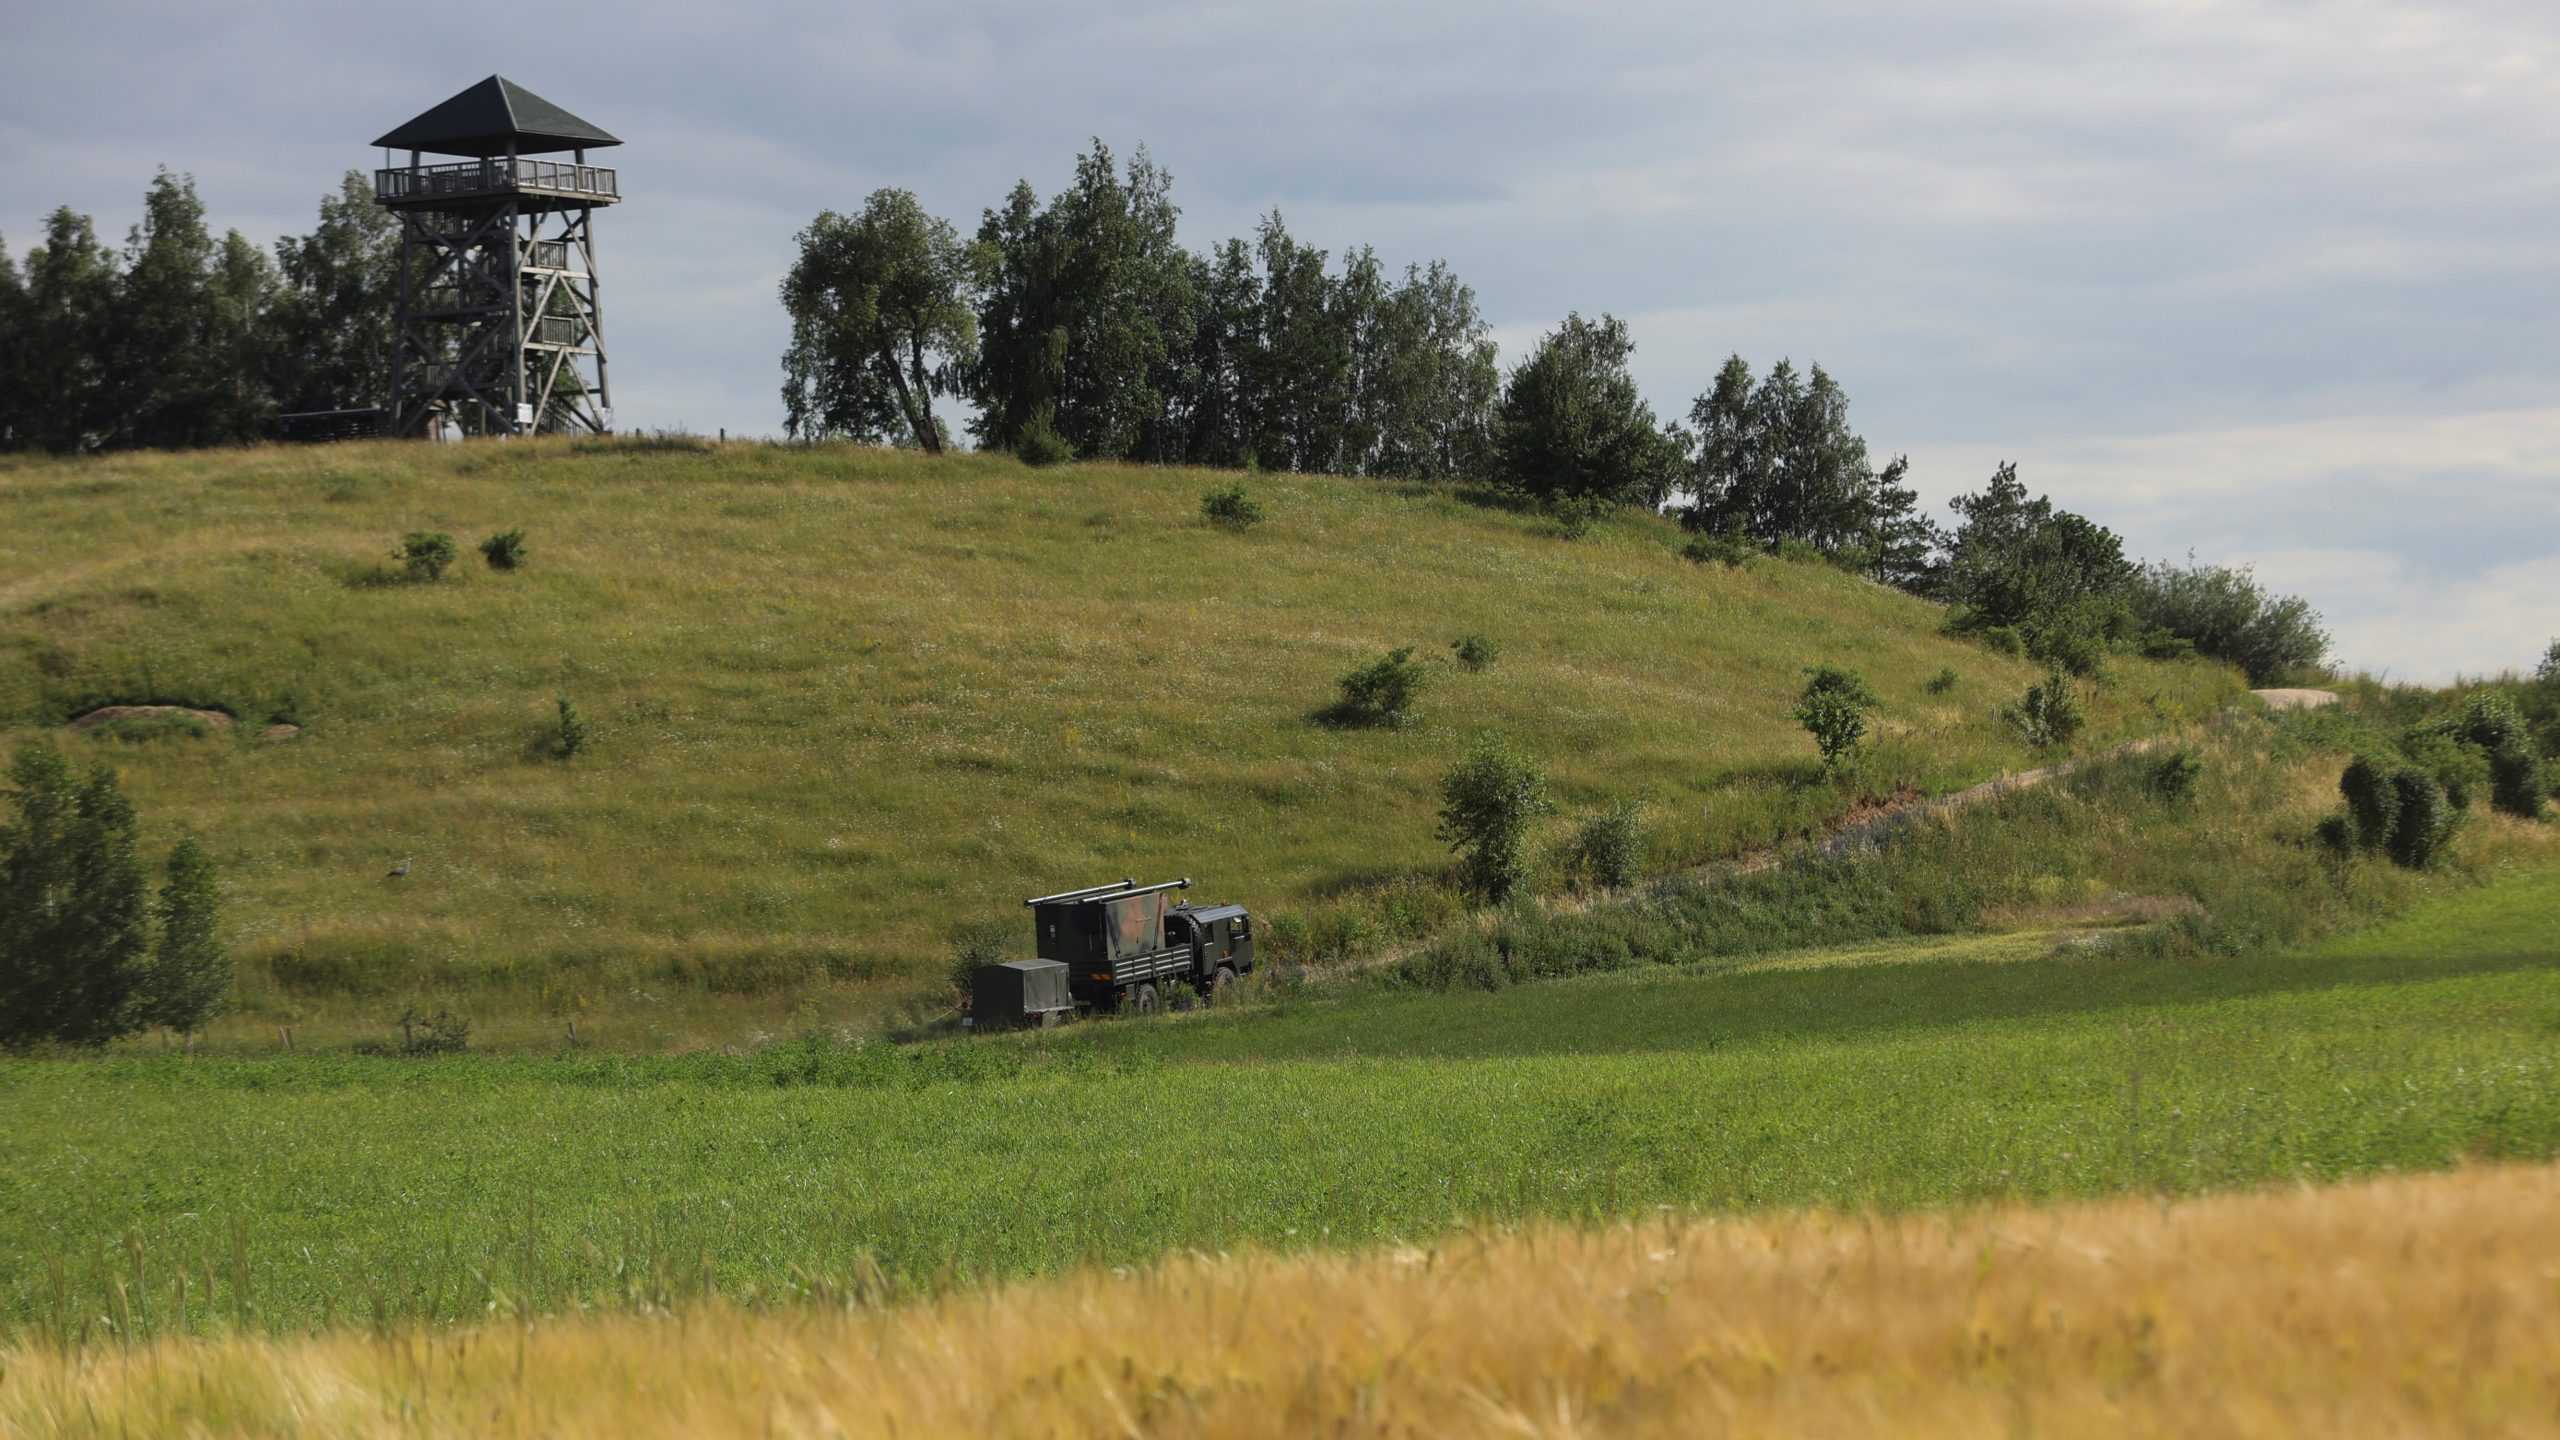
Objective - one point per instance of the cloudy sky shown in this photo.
(2273, 281)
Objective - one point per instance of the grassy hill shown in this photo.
(844, 699)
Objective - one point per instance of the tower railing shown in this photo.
(495, 176)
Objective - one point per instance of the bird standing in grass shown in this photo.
(398, 871)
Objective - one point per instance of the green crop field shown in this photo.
(842, 700)
(159, 1192)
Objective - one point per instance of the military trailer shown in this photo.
(1126, 948)
(1020, 993)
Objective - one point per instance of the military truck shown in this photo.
(1117, 947)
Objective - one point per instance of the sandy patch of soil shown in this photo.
(2296, 699)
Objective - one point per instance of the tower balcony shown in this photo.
(434, 185)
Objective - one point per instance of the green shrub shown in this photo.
(1474, 653)
(425, 553)
(1607, 850)
(1041, 445)
(1576, 514)
(2174, 778)
(1942, 682)
(2373, 803)
(974, 944)
(571, 736)
(1488, 801)
(2069, 643)
(504, 550)
(2492, 722)
(2425, 820)
(2462, 769)
(1381, 692)
(2004, 639)
(1231, 508)
(2336, 834)
(2225, 613)
(440, 1032)
(1833, 709)
(2517, 781)
(1800, 552)
(2050, 713)
(1732, 551)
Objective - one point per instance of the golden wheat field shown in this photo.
(2412, 1305)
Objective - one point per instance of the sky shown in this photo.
(2271, 282)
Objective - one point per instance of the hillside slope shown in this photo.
(843, 699)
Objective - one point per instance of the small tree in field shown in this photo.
(1487, 803)
(75, 922)
(190, 971)
(1834, 711)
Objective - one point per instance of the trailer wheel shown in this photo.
(1222, 986)
(1143, 1000)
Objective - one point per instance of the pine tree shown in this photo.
(1902, 541)
(190, 972)
(1574, 429)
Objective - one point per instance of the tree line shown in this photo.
(180, 339)
(1081, 326)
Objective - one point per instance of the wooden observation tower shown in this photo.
(499, 327)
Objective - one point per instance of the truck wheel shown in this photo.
(1143, 1000)
(1222, 988)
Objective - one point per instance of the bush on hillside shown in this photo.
(2224, 612)
(436, 1032)
(2050, 713)
(1041, 445)
(1381, 692)
(1576, 514)
(425, 554)
(2462, 770)
(1729, 550)
(2174, 778)
(2004, 640)
(1942, 682)
(570, 735)
(1487, 803)
(1230, 508)
(2518, 781)
(2425, 821)
(1607, 850)
(504, 550)
(1474, 653)
(975, 944)
(2373, 804)
(1833, 710)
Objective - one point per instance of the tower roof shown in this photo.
(482, 119)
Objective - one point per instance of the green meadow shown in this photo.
(2075, 1051)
